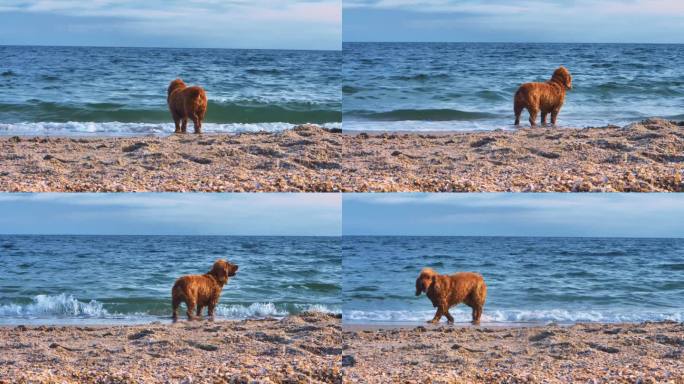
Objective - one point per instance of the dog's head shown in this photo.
(562, 76)
(176, 84)
(425, 280)
(222, 270)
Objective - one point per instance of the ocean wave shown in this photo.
(515, 316)
(61, 305)
(66, 306)
(115, 128)
(421, 114)
(245, 112)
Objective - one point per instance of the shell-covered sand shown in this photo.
(640, 157)
(582, 353)
(297, 349)
(306, 158)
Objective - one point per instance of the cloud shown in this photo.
(171, 213)
(263, 23)
(506, 214)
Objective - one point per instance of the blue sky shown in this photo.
(278, 24)
(640, 21)
(299, 214)
(516, 214)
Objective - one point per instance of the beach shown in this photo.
(303, 159)
(298, 348)
(586, 353)
(639, 157)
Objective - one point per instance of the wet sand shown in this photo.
(581, 353)
(640, 157)
(304, 159)
(297, 349)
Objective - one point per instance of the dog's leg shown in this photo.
(191, 308)
(543, 116)
(533, 116)
(517, 108)
(450, 319)
(438, 316)
(175, 302)
(197, 123)
(554, 116)
(210, 313)
(176, 122)
(184, 125)
(198, 313)
(477, 313)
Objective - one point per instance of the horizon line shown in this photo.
(526, 236)
(505, 42)
(158, 47)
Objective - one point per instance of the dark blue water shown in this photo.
(129, 278)
(76, 90)
(470, 86)
(528, 279)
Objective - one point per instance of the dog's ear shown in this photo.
(562, 75)
(218, 270)
(419, 286)
(174, 84)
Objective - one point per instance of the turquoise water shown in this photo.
(532, 280)
(470, 86)
(80, 90)
(47, 279)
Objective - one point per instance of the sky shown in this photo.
(514, 214)
(266, 214)
(592, 21)
(268, 24)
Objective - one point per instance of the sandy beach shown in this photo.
(582, 353)
(303, 159)
(301, 348)
(640, 157)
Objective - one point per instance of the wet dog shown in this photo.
(445, 291)
(201, 290)
(186, 103)
(543, 97)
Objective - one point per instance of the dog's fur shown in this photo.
(201, 290)
(445, 291)
(543, 97)
(186, 103)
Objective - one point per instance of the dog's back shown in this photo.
(468, 288)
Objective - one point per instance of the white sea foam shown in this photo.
(515, 316)
(114, 128)
(65, 306)
(61, 305)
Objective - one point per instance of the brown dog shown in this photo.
(545, 97)
(186, 103)
(201, 290)
(445, 291)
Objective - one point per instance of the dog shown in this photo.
(186, 103)
(201, 290)
(543, 97)
(445, 291)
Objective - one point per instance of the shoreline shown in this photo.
(306, 158)
(297, 348)
(640, 157)
(648, 352)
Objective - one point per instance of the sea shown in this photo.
(470, 86)
(128, 279)
(122, 91)
(530, 280)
